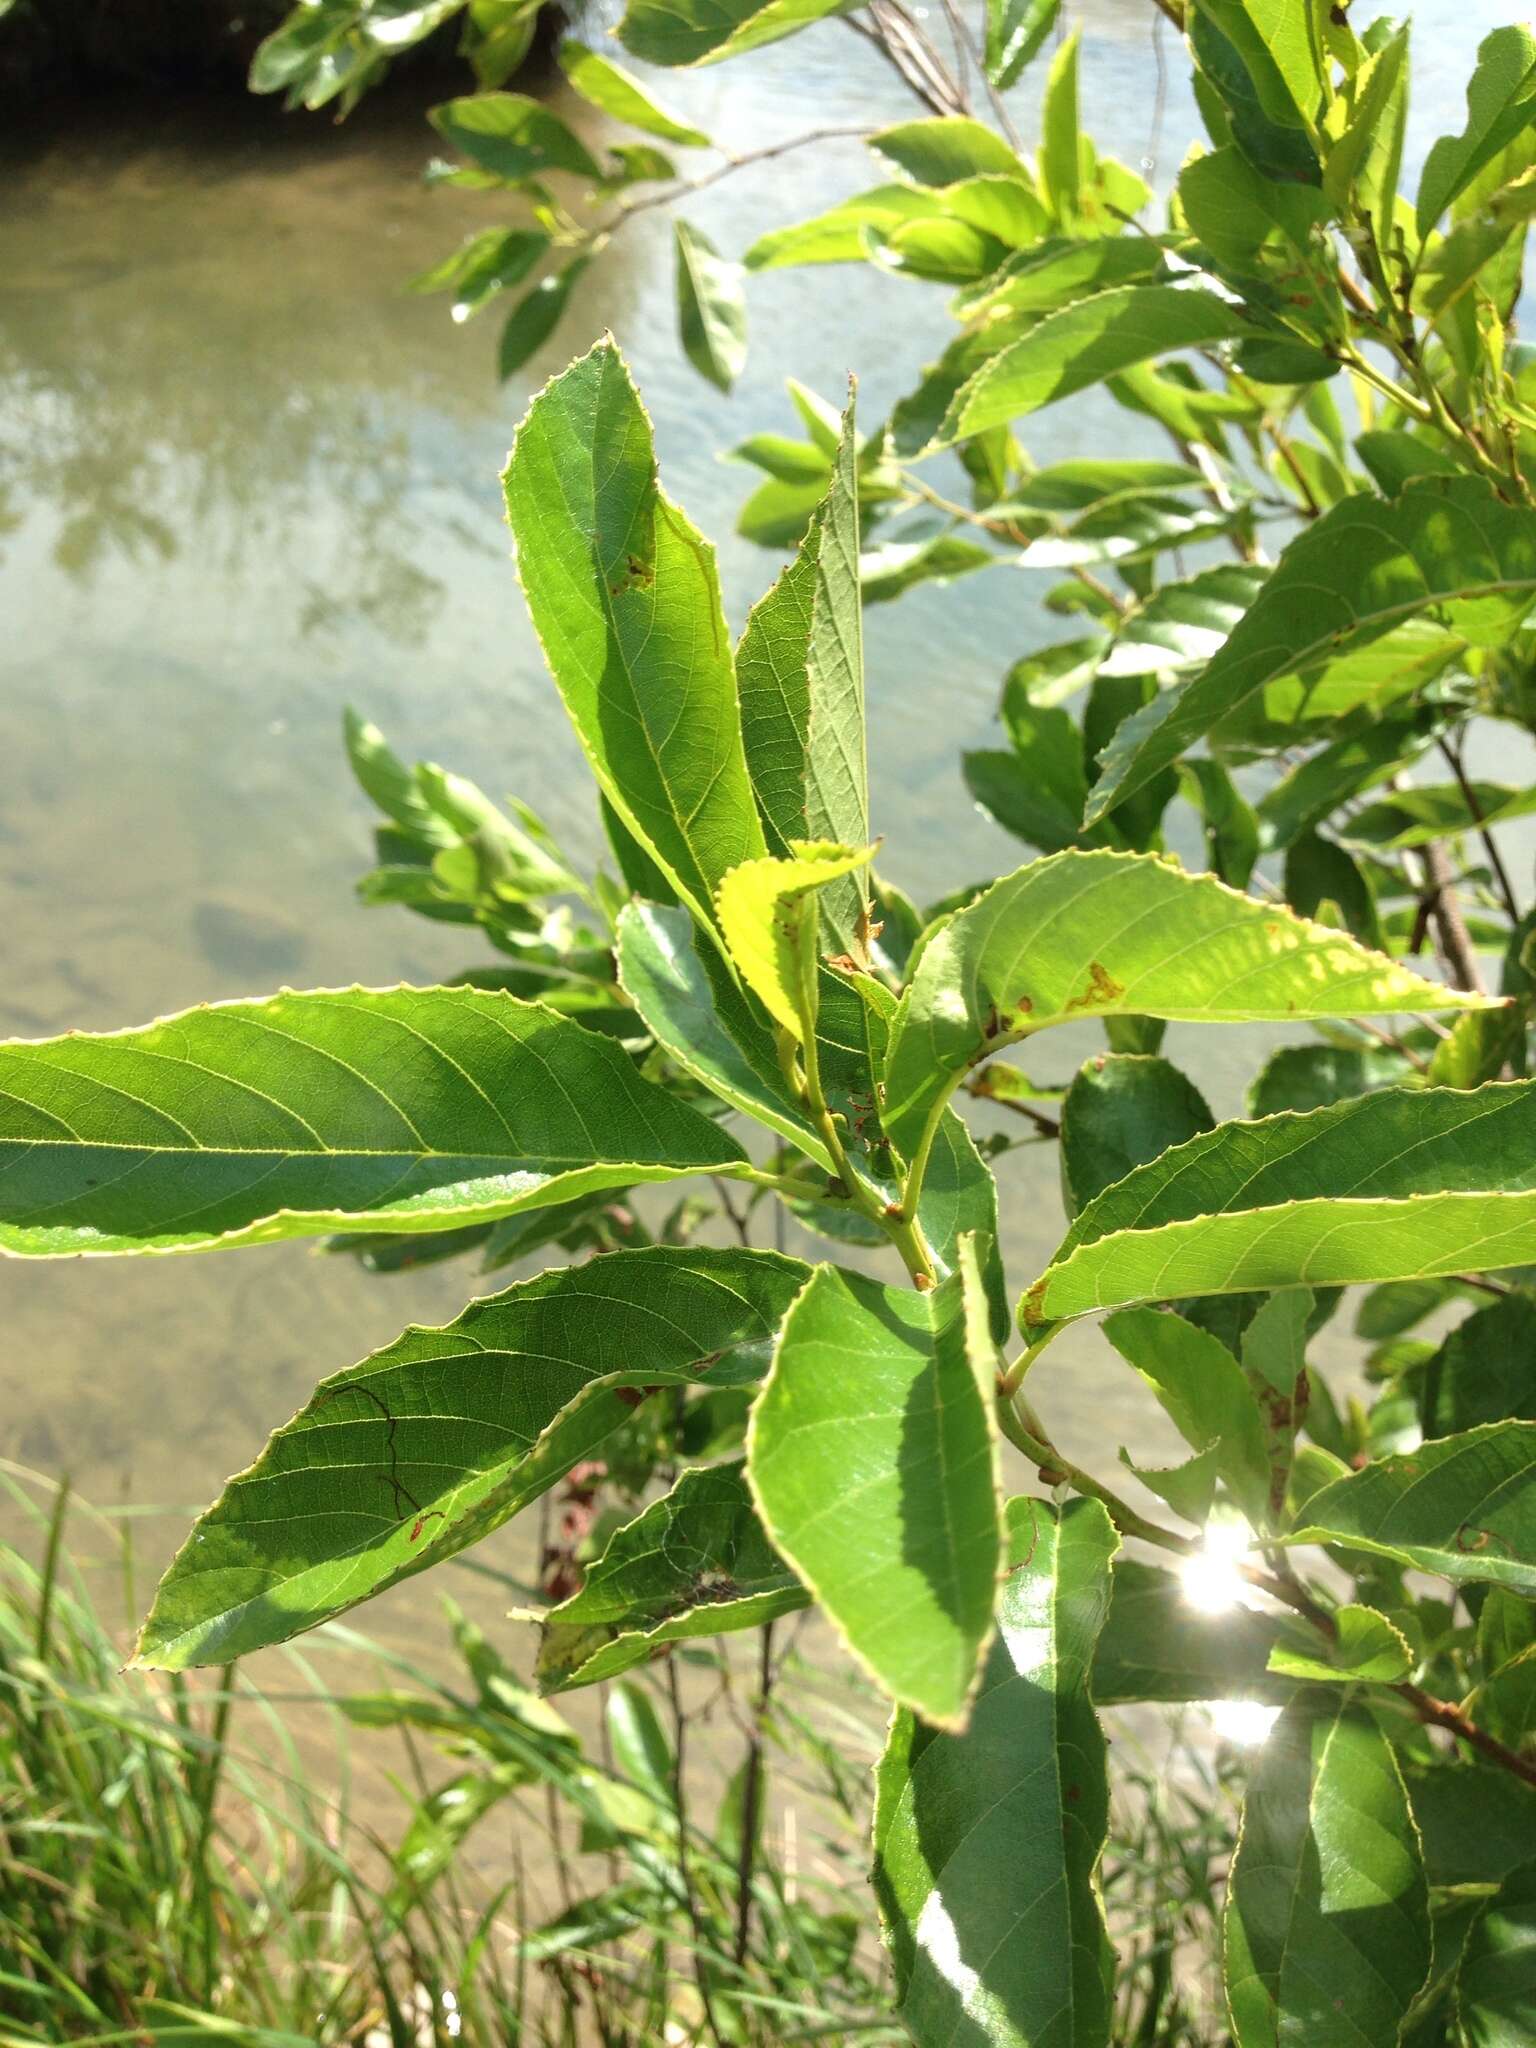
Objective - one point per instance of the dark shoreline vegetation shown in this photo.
(63, 48)
(724, 1131)
(66, 46)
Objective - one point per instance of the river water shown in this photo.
(248, 480)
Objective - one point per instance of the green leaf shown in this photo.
(895, 567)
(1037, 791)
(488, 263)
(1103, 934)
(1496, 1985)
(1325, 881)
(435, 1834)
(800, 674)
(1181, 625)
(694, 1563)
(711, 308)
(1367, 1649)
(1204, 1392)
(536, 316)
(873, 1460)
(1156, 1646)
(360, 1109)
(640, 1746)
(1016, 31)
(838, 235)
(1061, 152)
(1081, 345)
(431, 1443)
(1281, 43)
(636, 163)
(512, 137)
(605, 86)
(1461, 1506)
(1482, 1371)
(626, 602)
(1446, 545)
(770, 920)
(1481, 1046)
(498, 36)
(1248, 222)
(384, 777)
(1044, 275)
(1476, 1821)
(945, 150)
(1253, 106)
(987, 1843)
(1313, 1076)
(1122, 1110)
(1394, 458)
(703, 1022)
(680, 32)
(1412, 817)
(1231, 827)
(1505, 1703)
(1364, 161)
(1326, 1929)
(1501, 103)
(1393, 1186)
(1355, 762)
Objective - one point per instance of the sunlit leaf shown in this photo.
(677, 32)
(1366, 1648)
(1016, 30)
(837, 236)
(1157, 1646)
(1462, 1506)
(1391, 1186)
(1446, 545)
(1081, 345)
(800, 677)
(873, 1462)
(711, 308)
(616, 93)
(511, 136)
(626, 601)
(1327, 1922)
(1501, 102)
(362, 1109)
(694, 1563)
(770, 921)
(1103, 934)
(431, 1443)
(987, 1843)
(946, 149)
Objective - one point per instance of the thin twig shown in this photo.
(897, 17)
(1490, 846)
(907, 64)
(1452, 940)
(1047, 1126)
(739, 1222)
(999, 106)
(1442, 1714)
(685, 188)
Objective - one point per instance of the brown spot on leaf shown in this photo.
(633, 575)
(1102, 989)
